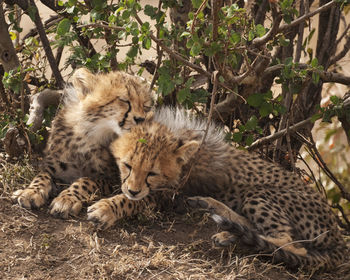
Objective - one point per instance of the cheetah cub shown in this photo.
(254, 201)
(96, 110)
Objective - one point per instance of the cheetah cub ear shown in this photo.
(83, 81)
(185, 151)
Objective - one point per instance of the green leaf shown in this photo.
(196, 3)
(182, 94)
(335, 99)
(251, 35)
(265, 109)
(146, 43)
(314, 62)
(126, 14)
(31, 11)
(260, 30)
(63, 27)
(150, 11)
(132, 51)
(237, 137)
(316, 117)
(255, 99)
(251, 123)
(235, 37)
(196, 49)
(315, 78)
(249, 140)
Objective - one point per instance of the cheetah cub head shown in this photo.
(114, 101)
(151, 158)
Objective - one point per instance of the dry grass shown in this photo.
(34, 245)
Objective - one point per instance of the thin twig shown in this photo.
(300, 33)
(196, 15)
(306, 16)
(100, 25)
(258, 143)
(290, 152)
(277, 18)
(344, 51)
(210, 115)
(47, 48)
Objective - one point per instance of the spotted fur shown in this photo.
(255, 201)
(96, 110)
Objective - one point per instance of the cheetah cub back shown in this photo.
(254, 201)
(96, 110)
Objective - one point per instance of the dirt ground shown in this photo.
(34, 245)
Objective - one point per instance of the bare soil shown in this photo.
(34, 245)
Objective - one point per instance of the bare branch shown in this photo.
(327, 77)
(47, 48)
(8, 56)
(340, 55)
(277, 18)
(101, 25)
(258, 143)
(39, 102)
(306, 16)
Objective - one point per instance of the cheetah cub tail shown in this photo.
(282, 248)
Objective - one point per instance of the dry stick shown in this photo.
(47, 48)
(345, 32)
(210, 115)
(341, 210)
(325, 168)
(340, 55)
(318, 158)
(258, 143)
(159, 54)
(306, 16)
(288, 104)
(291, 155)
(300, 33)
(326, 39)
(104, 26)
(277, 18)
(196, 15)
(318, 183)
(327, 77)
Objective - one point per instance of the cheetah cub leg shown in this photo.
(217, 208)
(242, 227)
(223, 239)
(37, 193)
(71, 200)
(219, 211)
(105, 212)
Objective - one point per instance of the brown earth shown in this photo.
(34, 245)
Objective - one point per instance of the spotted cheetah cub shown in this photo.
(96, 110)
(254, 201)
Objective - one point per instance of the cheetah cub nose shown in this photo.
(134, 193)
(138, 119)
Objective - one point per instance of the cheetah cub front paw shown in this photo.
(101, 214)
(65, 205)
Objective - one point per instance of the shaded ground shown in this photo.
(35, 245)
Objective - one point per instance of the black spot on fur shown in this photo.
(63, 166)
